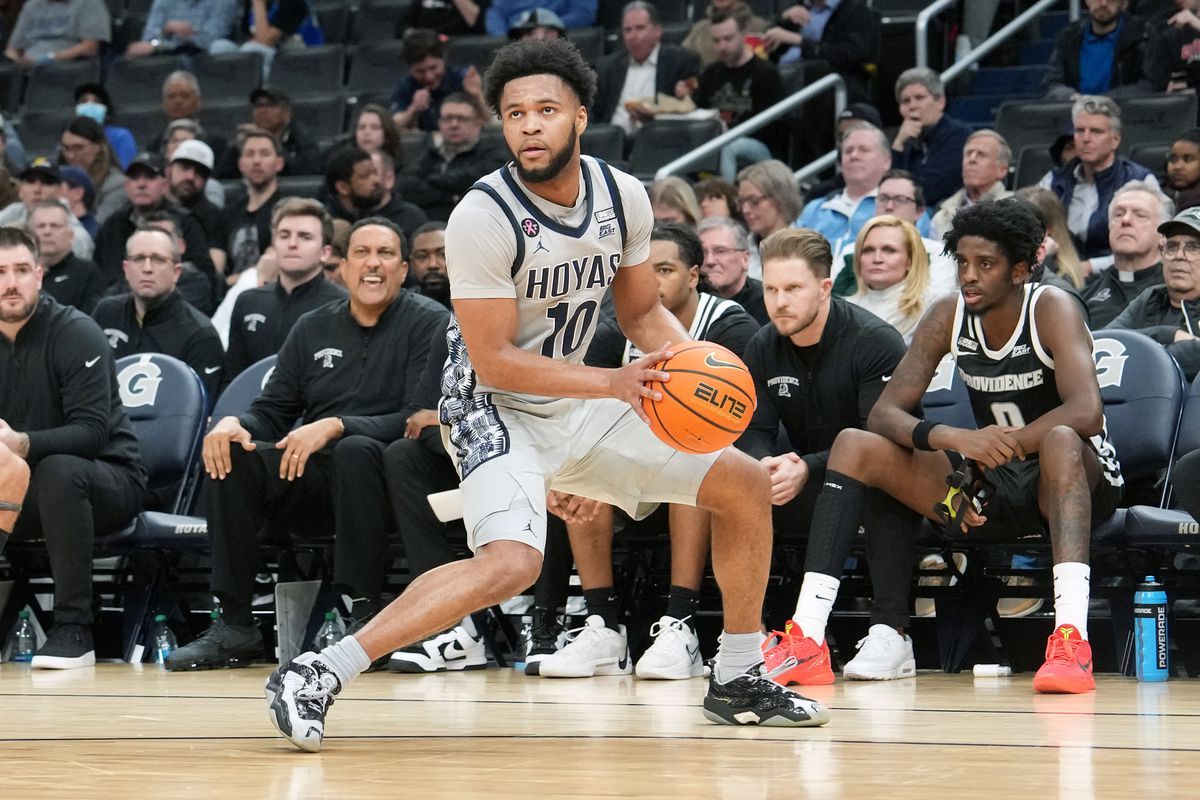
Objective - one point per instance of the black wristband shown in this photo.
(920, 435)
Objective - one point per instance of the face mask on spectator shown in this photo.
(96, 111)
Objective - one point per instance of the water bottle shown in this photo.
(330, 633)
(164, 639)
(1150, 631)
(24, 639)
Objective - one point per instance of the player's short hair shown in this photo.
(691, 252)
(303, 207)
(19, 236)
(420, 44)
(802, 243)
(429, 227)
(1012, 223)
(382, 222)
(527, 57)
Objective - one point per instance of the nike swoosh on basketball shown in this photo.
(712, 361)
(92, 363)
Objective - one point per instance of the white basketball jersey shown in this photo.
(708, 310)
(559, 272)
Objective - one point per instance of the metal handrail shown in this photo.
(995, 40)
(922, 28)
(761, 119)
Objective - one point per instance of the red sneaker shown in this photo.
(812, 660)
(1068, 667)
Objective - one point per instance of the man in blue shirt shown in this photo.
(1102, 52)
(502, 14)
(185, 26)
(417, 100)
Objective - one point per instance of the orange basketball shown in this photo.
(708, 401)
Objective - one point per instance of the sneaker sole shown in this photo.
(238, 662)
(596, 669)
(1062, 686)
(88, 659)
(675, 674)
(412, 668)
(277, 714)
(777, 721)
(906, 670)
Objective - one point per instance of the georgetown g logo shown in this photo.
(1110, 361)
(326, 356)
(139, 382)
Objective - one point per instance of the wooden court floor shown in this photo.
(117, 731)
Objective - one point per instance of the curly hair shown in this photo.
(1011, 223)
(526, 57)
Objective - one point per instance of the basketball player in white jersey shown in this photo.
(1025, 355)
(531, 251)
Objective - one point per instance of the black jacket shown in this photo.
(857, 353)
(172, 328)
(675, 64)
(751, 299)
(1151, 313)
(1062, 77)
(1108, 295)
(263, 317)
(75, 281)
(849, 44)
(437, 184)
(407, 216)
(115, 233)
(58, 384)
(330, 366)
(301, 156)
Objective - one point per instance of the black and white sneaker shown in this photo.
(68, 646)
(546, 637)
(453, 650)
(752, 698)
(299, 695)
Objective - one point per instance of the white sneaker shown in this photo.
(594, 649)
(883, 655)
(456, 649)
(675, 654)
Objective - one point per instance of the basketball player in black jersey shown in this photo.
(1026, 357)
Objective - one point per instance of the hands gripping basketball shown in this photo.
(632, 382)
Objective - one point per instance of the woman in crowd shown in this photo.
(892, 269)
(769, 200)
(1063, 267)
(673, 200)
(718, 198)
(84, 145)
(92, 100)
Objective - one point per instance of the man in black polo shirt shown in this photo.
(153, 317)
(818, 369)
(60, 411)
(263, 317)
(69, 279)
(187, 176)
(351, 370)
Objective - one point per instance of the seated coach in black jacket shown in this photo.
(61, 411)
(351, 370)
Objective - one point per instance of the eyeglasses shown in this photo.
(749, 201)
(721, 252)
(155, 259)
(897, 199)
(1189, 249)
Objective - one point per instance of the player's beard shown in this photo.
(20, 315)
(797, 322)
(558, 162)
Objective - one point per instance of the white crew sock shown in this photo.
(737, 653)
(468, 625)
(1072, 591)
(815, 604)
(346, 658)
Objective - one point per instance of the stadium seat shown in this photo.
(675, 32)
(334, 19)
(227, 77)
(376, 20)
(977, 109)
(1155, 118)
(53, 85)
(304, 71)
(1032, 164)
(1025, 123)
(662, 141)
(224, 116)
(1037, 51)
(1008, 80)
(300, 185)
(1151, 156)
(376, 67)
(320, 118)
(473, 51)
(244, 388)
(1050, 23)
(11, 79)
(590, 42)
(604, 141)
(137, 83)
(143, 123)
(41, 130)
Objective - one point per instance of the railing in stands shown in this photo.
(934, 10)
(927, 15)
(761, 119)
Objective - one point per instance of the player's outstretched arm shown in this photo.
(1065, 338)
(640, 313)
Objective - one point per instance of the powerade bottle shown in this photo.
(1150, 631)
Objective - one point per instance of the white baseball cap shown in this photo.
(194, 150)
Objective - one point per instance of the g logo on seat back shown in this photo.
(138, 383)
(1110, 361)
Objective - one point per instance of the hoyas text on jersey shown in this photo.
(588, 272)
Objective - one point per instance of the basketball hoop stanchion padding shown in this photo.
(708, 401)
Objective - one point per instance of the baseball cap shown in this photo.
(195, 151)
(1186, 221)
(863, 112)
(536, 18)
(143, 162)
(274, 96)
(41, 166)
(77, 177)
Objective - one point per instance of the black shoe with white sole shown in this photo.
(752, 698)
(68, 646)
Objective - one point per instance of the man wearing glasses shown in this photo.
(866, 155)
(1170, 314)
(727, 264)
(153, 317)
